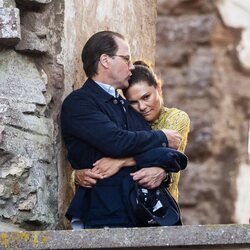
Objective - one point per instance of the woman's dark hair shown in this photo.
(102, 42)
(143, 72)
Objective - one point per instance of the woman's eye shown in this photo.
(146, 97)
(133, 103)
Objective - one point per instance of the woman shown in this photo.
(145, 96)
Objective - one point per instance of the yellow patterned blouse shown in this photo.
(178, 120)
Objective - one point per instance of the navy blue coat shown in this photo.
(95, 125)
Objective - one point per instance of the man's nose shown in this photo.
(131, 66)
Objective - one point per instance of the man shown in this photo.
(96, 122)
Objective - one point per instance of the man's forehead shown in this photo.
(122, 44)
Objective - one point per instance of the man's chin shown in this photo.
(125, 85)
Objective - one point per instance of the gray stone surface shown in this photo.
(27, 159)
(7, 4)
(10, 33)
(31, 42)
(185, 237)
(33, 2)
(196, 60)
(8, 227)
(186, 28)
(27, 86)
(34, 30)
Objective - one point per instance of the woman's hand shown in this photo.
(108, 166)
(149, 177)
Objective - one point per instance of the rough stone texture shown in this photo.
(186, 237)
(179, 7)
(30, 87)
(35, 33)
(33, 2)
(243, 202)
(7, 4)
(9, 26)
(22, 87)
(139, 16)
(27, 152)
(195, 58)
(7, 227)
(31, 42)
(236, 15)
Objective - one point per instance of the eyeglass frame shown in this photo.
(127, 59)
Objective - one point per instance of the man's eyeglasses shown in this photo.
(127, 59)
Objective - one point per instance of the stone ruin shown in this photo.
(30, 95)
(199, 56)
(204, 64)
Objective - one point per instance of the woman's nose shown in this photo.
(142, 106)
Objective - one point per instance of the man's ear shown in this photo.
(104, 60)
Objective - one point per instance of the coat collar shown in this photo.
(95, 89)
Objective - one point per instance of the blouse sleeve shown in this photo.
(179, 121)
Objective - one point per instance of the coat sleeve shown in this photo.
(83, 120)
(169, 159)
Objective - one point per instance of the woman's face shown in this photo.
(145, 99)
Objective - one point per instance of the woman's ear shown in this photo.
(159, 89)
(104, 60)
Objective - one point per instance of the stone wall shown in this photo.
(30, 96)
(197, 58)
(40, 48)
(203, 73)
(195, 237)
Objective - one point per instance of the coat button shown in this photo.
(164, 144)
(115, 101)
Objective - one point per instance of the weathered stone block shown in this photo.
(9, 26)
(28, 204)
(172, 54)
(7, 4)
(166, 238)
(34, 30)
(196, 29)
(200, 69)
(26, 86)
(8, 227)
(25, 172)
(196, 58)
(33, 2)
(17, 167)
(183, 7)
(31, 42)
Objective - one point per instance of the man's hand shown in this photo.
(149, 177)
(87, 178)
(174, 138)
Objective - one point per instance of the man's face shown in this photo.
(121, 65)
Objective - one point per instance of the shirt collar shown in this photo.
(108, 88)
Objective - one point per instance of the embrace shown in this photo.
(117, 145)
